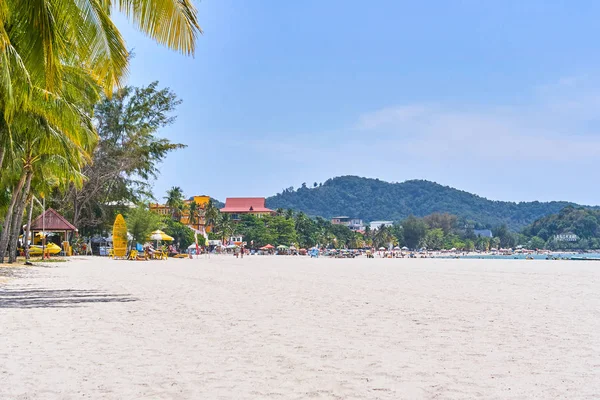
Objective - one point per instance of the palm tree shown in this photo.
(211, 214)
(42, 40)
(192, 210)
(225, 227)
(56, 134)
(174, 199)
(48, 48)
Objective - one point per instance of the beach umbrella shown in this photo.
(282, 247)
(382, 248)
(232, 246)
(160, 235)
(268, 247)
(292, 247)
(396, 248)
(405, 248)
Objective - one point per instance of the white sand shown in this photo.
(296, 328)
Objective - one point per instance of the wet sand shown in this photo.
(300, 328)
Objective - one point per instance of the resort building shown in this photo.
(354, 224)
(566, 237)
(238, 206)
(198, 223)
(374, 225)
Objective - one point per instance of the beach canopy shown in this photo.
(51, 221)
(160, 235)
(267, 247)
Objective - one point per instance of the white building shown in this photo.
(566, 237)
(374, 225)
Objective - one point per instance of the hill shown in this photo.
(583, 222)
(373, 199)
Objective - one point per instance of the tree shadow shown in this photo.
(57, 298)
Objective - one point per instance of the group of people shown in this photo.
(150, 251)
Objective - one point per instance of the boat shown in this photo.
(585, 259)
(51, 248)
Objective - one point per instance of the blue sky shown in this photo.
(501, 99)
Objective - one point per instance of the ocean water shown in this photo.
(566, 256)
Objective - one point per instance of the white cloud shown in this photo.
(557, 125)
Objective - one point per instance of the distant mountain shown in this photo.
(373, 199)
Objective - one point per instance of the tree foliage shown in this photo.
(127, 155)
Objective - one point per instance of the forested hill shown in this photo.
(372, 199)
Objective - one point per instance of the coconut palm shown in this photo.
(192, 210)
(174, 201)
(55, 132)
(40, 40)
(211, 214)
(225, 227)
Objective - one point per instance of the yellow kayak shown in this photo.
(51, 248)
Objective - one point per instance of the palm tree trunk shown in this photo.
(28, 230)
(18, 220)
(8, 218)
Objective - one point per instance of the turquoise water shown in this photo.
(524, 256)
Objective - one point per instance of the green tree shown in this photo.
(446, 222)
(41, 42)
(307, 231)
(141, 222)
(126, 157)
(225, 227)
(414, 231)
(211, 214)
(183, 235)
(536, 242)
(282, 229)
(174, 200)
(434, 239)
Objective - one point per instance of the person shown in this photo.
(242, 250)
(150, 250)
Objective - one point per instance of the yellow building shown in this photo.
(199, 221)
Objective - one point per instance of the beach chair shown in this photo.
(132, 255)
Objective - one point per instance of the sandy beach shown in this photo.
(300, 328)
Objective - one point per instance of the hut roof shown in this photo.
(54, 222)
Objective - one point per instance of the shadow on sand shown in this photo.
(57, 298)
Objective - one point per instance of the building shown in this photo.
(198, 223)
(486, 233)
(566, 237)
(238, 206)
(355, 224)
(374, 225)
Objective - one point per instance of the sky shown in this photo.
(501, 99)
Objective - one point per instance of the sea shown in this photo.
(553, 256)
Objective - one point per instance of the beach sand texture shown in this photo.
(300, 328)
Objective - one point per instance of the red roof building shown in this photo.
(52, 221)
(236, 206)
